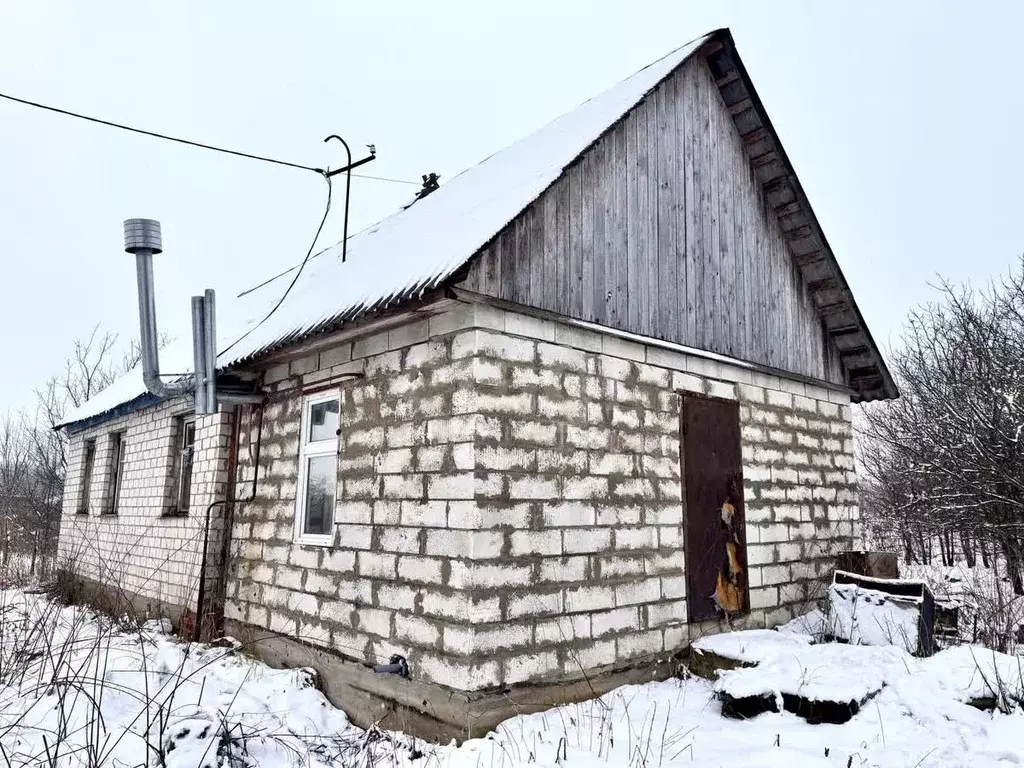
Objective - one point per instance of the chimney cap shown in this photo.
(142, 235)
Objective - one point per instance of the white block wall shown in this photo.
(511, 504)
(140, 550)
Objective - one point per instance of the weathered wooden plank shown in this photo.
(689, 107)
(679, 204)
(727, 161)
(706, 306)
(757, 308)
(635, 286)
(769, 247)
(618, 250)
(667, 320)
(507, 255)
(743, 262)
(645, 260)
(521, 269)
(562, 235)
(476, 280)
(586, 306)
(574, 303)
(545, 277)
(602, 213)
(539, 282)
(653, 278)
(780, 277)
(491, 273)
(717, 310)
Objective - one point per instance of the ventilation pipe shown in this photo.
(142, 238)
(199, 351)
(210, 339)
(204, 352)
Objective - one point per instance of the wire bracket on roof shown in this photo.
(430, 184)
(347, 170)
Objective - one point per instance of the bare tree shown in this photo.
(33, 454)
(945, 462)
(93, 365)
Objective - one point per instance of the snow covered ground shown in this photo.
(76, 691)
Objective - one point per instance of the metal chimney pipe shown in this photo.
(199, 351)
(142, 237)
(210, 333)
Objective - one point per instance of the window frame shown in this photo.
(309, 449)
(85, 484)
(115, 481)
(182, 424)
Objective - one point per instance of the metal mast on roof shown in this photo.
(347, 170)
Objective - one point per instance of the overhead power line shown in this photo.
(295, 279)
(188, 142)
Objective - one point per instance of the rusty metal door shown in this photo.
(716, 545)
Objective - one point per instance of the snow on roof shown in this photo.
(412, 251)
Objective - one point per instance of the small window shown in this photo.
(87, 464)
(184, 453)
(118, 447)
(318, 470)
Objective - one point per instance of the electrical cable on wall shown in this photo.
(188, 142)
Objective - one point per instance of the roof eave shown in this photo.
(862, 361)
(144, 400)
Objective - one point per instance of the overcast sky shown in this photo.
(902, 120)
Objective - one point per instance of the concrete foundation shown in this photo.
(430, 710)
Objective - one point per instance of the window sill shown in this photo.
(81, 512)
(314, 541)
(108, 514)
(173, 513)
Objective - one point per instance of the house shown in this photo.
(542, 428)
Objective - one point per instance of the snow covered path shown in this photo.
(76, 692)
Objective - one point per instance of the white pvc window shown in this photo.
(318, 469)
(86, 487)
(185, 440)
(118, 444)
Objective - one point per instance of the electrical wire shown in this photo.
(385, 178)
(188, 142)
(298, 274)
(236, 153)
(156, 135)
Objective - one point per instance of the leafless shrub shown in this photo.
(945, 462)
(60, 664)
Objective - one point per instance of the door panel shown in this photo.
(716, 546)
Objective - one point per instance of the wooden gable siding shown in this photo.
(662, 229)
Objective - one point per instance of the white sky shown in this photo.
(902, 120)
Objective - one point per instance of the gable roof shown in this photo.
(423, 246)
(861, 359)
